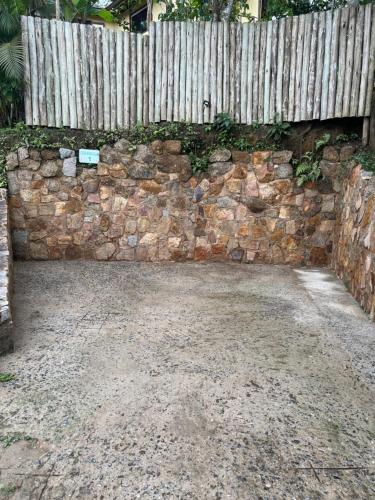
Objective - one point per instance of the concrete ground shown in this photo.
(186, 381)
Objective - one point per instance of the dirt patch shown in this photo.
(187, 381)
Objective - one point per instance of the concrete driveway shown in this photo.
(186, 381)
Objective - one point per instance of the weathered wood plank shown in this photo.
(41, 72)
(299, 68)
(158, 69)
(133, 79)
(365, 60)
(262, 66)
(171, 41)
(56, 73)
(77, 73)
(267, 74)
(305, 66)
(293, 67)
(194, 79)
(183, 63)
(250, 76)
(207, 55)
(93, 82)
(200, 108)
(326, 67)
(85, 78)
(213, 68)
(61, 50)
(341, 66)
(112, 67)
(176, 69)
(120, 79)
(106, 81)
(349, 60)
(219, 72)
(226, 57)
(279, 59)
(145, 91)
(151, 73)
(237, 110)
(356, 76)
(371, 69)
(319, 65)
(312, 67)
(188, 76)
(127, 76)
(99, 76)
(164, 73)
(139, 78)
(70, 75)
(256, 72)
(286, 68)
(334, 62)
(232, 69)
(273, 82)
(49, 73)
(26, 73)
(243, 72)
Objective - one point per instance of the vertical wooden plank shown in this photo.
(171, 43)
(293, 69)
(189, 56)
(280, 70)
(77, 73)
(41, 71)
(319, 65)
(349, 60)
(274, 48)
(256, 72)
(127, 59)
(151, 73)
(213, 68)
(176, 69)
(286, 68)
(262, 68)
(267, 74)
(195, 62)
(106, 80)
(34, 71)
(139, 78)
(250, 62)
(371, 70)
(56, 73)
(99, 76)
(226, 56)
(120, 79)
(299, 68)
(49, 73)
(70, 75)
(305, 66)
(207, 49)
(365, 60)
(333, 67)
(326, 66)
(26, 73)
(182, 91)
(341, 66)
(112, 68)
(158, 68)
(61, 49)
(92, 75)
(238, 73)
(145, 43)
(356, 76)
(85, 76)
(133, 79)
(164, 72)
(201, 60)
(232, 69)
(219, 72)
(244, 63)
(312, 66)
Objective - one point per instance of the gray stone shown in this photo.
(132, 240)
(70, 167)
(220, 155)
(138, 170)
(66, 153)
(122, 146)
(282, 156)
(254, 204)
(11, 161)
(49, 168)
(226, 202)
(105, 252)
(19, 243)
(284, 171)
(143, 154)
(23, 153)
(237, 254)
(219, 168)
(13, 183)
(365, 175)
(198, 194)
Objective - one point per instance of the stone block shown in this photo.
(69, 167)
(220, 155)
(49, 168)
(66, 153)
(172, 147)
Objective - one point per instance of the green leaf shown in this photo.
(11, 58)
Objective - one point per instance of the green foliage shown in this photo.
(7, 489)
(198, 163)
(8, 439)
(278, 131)
(202, 10)
(366, 159)
(308, 168)
(283, 8)
(7, 377)
(340, 138)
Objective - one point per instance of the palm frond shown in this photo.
(11, 58)
(9, 16)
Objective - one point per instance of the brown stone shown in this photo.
(255, 205)
(150, 186)
(172, 147)
(264, 172)
(240, 171)
(346, 152)
(50, 154)
(279, 157)
(38, 251)
(261, 157)
(200, 253)
(241, 157)
(105, 252)
(318, 256)
(331, 154)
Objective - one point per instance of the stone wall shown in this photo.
(354, 241)
(143, 203)
(6, 342)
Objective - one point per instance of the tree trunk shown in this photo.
(227, 11)
(57, 4)
(149, 13)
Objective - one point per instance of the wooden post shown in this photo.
(371, 141)
(365, 131)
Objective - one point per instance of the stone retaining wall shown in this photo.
(143, 203)
(6, 342)
(354, 241)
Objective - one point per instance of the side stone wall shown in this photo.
(6, 342)
(354, 240)
(143, 203)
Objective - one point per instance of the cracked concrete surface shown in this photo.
(186, 381)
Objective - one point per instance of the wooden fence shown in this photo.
(315, 66)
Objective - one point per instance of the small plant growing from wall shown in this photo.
(308, 168)
(278, 131)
